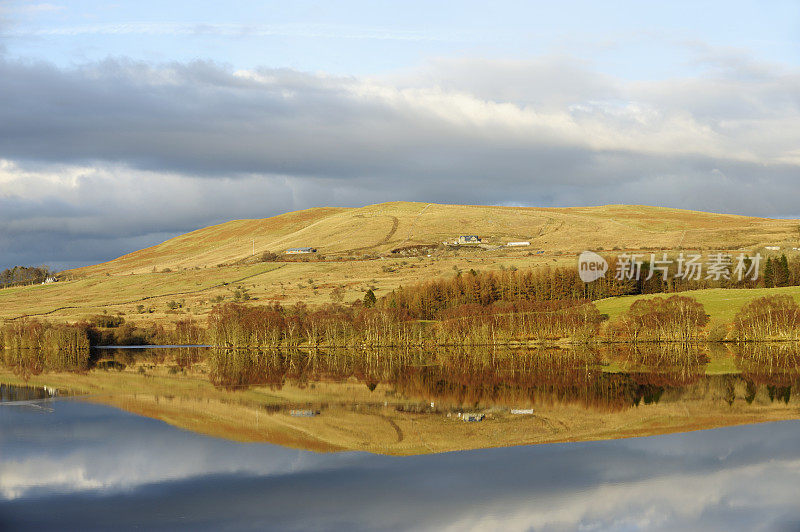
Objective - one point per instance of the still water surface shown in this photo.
(91, 463)
(83, 466)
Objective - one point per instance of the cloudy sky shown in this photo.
(122, 124)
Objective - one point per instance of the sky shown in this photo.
(124, 124)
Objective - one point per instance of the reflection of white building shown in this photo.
(298, 251)
(518, 244)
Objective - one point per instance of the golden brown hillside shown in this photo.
(377, 229)
(199, 269)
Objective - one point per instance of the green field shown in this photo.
(721, 304)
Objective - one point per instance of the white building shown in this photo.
(298, 251)
(518, 244)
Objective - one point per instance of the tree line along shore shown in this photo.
(471, 308)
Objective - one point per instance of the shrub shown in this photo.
(106, 321)
(337, 294)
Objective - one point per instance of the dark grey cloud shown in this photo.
(125, 152)
(201, 119)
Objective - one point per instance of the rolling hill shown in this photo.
(378, 229)
(196, 270)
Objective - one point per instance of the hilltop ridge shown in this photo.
(378, 229)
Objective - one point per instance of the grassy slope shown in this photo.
(284, 282)
(197, 277)
(380, 228)
(97, 293)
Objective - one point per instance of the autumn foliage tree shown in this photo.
(672, 319)
(430, 299)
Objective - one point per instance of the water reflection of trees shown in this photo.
(666, 364)
(178, 357)
(458, 376)
(774, 366)
(638, 375)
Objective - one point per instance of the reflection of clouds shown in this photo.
(18, 478)
(672, 502)
(149, 474)
(81, 471)
(116, 452)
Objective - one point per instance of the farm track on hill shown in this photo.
(385, 239)
(146, 298)
(392, 231)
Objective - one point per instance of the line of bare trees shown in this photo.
(659, 319)
(239, 326)
(30, 347)
(774, 317)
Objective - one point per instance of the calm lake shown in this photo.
(123, 454)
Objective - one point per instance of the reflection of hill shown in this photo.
(406, 402)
